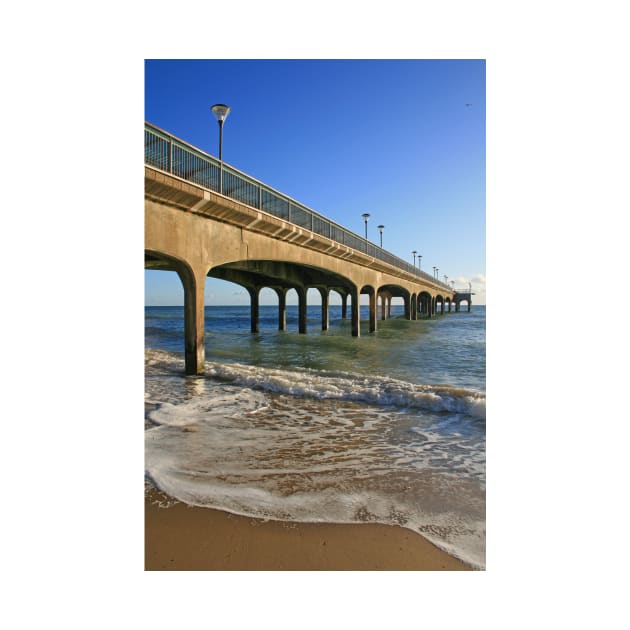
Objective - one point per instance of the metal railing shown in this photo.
(172, 155)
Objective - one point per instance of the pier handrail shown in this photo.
(168, 153)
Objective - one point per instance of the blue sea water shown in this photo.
(387, 427)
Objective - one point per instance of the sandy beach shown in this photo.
(184, 538)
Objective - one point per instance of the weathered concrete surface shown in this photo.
(198, 233)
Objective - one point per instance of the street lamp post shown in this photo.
(221, 112)
(414, 252)
(445, 279)
(437, 275)
(434, 272)
(419, 262)
(366, 216)
(380, 229)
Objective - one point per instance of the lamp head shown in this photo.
(220, 111)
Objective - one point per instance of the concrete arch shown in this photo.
(425, 301)
(194, 315)
(458, 299)
(281, 295)
(396, 290)
(324, 293)
(439, 299)
(386, 303)
(283, 276)
(343, 294)
(159, 260)
(275, 273)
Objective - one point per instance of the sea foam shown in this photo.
(313, 445)
(373, 390)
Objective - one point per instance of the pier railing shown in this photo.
(172, 155)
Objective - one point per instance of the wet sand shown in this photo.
(184, 538)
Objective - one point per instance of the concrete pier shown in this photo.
(301, 291)
(282, 308)
(199, 232)
(372, 311)
(255, 309)
(355, 313)
(325, 294)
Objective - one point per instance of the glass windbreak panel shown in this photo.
(208, 175)
(354, 241)
(336, 233)
(155, 151)
(181, 162)
(240, 189)
(301, 217)
(194, 168)
(321, 226)
(389, 258)
(275, 205)
(203, 173)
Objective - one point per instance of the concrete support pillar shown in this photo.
(457, 307)
(407, 299)
(194, 320)
(383, 300)
(469, 304)
(325, 298)
(355, 313)
(301, 291)
(414, 312)
(282, 309)
(389, 306)
(254, 308)
(442, 307)
(373, 311)
(449, 306)
(344, 306)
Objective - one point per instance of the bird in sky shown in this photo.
(468, 104)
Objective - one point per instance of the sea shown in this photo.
(388, 427)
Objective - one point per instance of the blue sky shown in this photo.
(401, 139)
